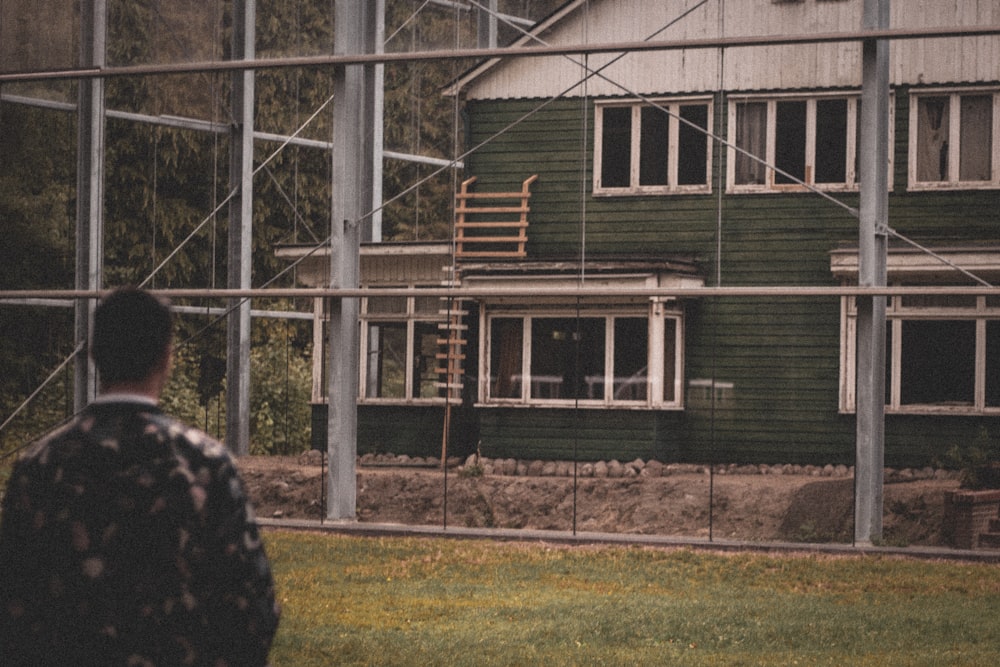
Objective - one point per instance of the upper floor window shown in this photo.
(809, 139)
(653, 149)
(954, 139)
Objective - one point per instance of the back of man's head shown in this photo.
(131, 335)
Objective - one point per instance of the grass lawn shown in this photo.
(419, 601)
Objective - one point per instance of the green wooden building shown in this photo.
(689, 168)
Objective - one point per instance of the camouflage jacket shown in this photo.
(127, 538)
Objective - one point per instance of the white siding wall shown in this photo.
(804, 66)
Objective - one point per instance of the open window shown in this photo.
(954, 139)
(658, 148)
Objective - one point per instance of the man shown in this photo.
(126, 537)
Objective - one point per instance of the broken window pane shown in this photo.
(932, 138)
(790, 141)
(654, 147)
(692, 154)
(831, 141)
(616, 147)
(976, 131)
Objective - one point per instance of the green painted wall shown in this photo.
(780, 354)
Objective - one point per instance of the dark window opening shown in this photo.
(654, 147)
(567, 357)
(669, 359)
(631, 358)
(938, 362)
(616, 147)
(692, 145)
(790, 141)
(993, 363)
(831, 141)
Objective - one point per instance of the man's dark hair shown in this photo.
(131, 334)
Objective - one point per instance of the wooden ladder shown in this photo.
(488, 226)
(451, 343)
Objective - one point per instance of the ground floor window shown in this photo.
(942, 354)
(400, 344)
(597, 356)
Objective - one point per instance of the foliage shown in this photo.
(280, 392)
(978, 461)
(163, 185)
(408, 601)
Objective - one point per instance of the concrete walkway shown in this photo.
(627, 539)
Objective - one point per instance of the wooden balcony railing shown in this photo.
(492, 224)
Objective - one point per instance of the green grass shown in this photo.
(414, 601)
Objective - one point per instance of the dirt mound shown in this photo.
(740, 506)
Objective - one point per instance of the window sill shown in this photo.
(604, 193)
(935, 411)
(567, 405)
(942, 186)
(787, 189)
(402, 401)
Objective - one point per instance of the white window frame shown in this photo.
(672, 105)
(850, 183)
(410, 318)
(954, 142)
(896, 314)
(656, 313)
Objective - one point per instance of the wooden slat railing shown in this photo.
(492, 224)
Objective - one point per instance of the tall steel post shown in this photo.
(352, 154)
(89, 189)
(872, 250)
(240, 247)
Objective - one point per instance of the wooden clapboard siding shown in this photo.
(584, 435)
(780, 354)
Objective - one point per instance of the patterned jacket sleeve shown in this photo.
(243, 603)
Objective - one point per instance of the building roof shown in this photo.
(776, 67)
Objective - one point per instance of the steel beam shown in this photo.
(352, 157)
(89, 191)
(873, 214)
(240, 234)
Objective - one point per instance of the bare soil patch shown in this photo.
(792, 507)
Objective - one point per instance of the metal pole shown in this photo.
(352, 171)
(240, 234)
(486, 25)
(89, 190)
(872, 248)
